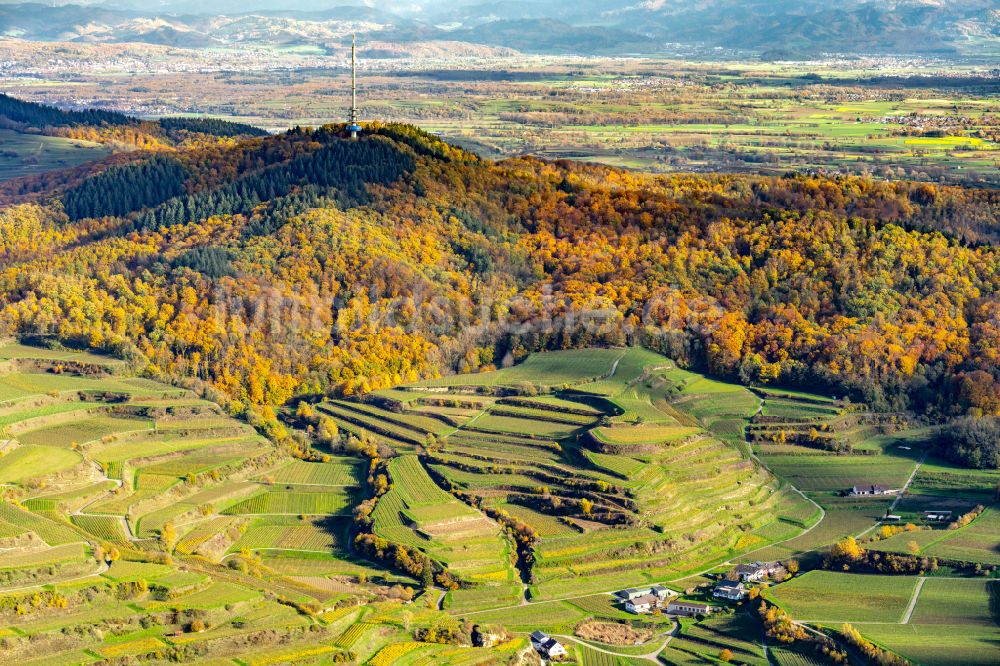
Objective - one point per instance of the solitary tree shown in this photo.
(427, 574)
(168, 536)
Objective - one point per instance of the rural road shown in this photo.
(649, 656)
(902, 491)
(614, 367)
(101, 569)
(82, 511)
(913, 600)
(822, 511)
(467, 423)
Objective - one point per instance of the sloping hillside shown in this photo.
(305, 262)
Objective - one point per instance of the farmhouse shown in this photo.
(547, 646)
(754, 572)
(730, 590)
(867, 489)
(630, 593)
(643, 599)
(688, 608)
(643, 604)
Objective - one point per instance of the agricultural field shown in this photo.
(539, 488)
(29, 154)
(417, 513)
(933, 621)
(601, 454)
(894, 118)
(830, 597)
(107, 476)
(954, 621)
(824, 447)
(701, 642)
(937, 645)
(832, 475)
(976, 542)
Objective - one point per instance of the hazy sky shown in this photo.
(395, 6)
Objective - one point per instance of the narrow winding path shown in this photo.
(82, 511)
(100, 569)
(822, 511)
(649, 656)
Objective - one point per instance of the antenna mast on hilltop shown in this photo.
(354, 127)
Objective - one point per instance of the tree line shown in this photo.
(37, 116)
(157, 188)
(349, 167)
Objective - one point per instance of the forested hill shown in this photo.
(108, 126)
(270, 267)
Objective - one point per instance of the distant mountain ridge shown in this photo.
(546, 26)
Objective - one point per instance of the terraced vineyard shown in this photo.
(536, 489)
(606, 456)
(417, 513)
(125, 500)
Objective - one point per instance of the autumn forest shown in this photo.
(266, 268)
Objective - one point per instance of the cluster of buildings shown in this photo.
(730, 590)
(643, 600)
(734, 587)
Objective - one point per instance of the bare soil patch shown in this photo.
(612, 633)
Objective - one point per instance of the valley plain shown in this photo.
(890, 117)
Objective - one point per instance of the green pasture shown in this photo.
(937, 645)
(829, 597)
(29, 462)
